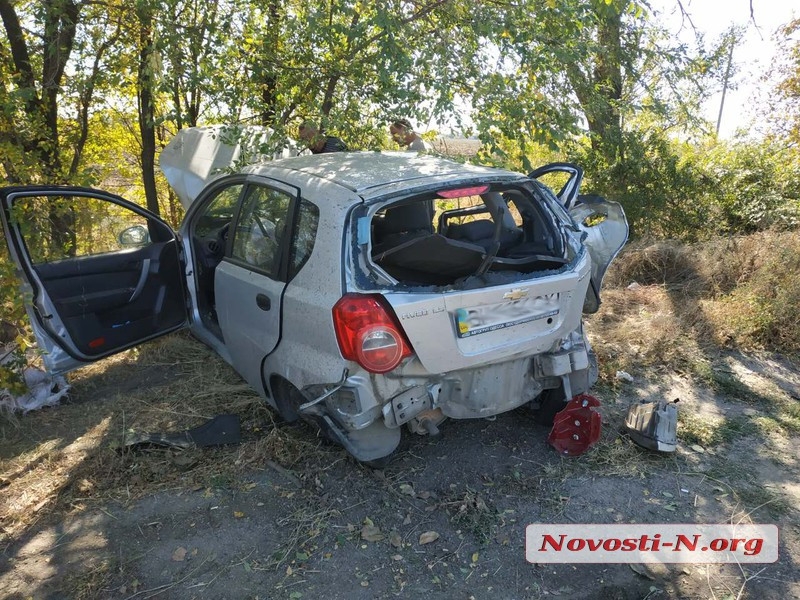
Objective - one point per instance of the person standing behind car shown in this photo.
(317, 141)
(403, 133)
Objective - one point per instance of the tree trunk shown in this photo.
(269, 78)
(41, 104)
(605, 124)
(147, 111)
(85, 100)
(60, 25)
(599, 87)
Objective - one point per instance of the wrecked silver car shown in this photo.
(366, 292)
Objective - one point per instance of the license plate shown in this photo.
(491, 317)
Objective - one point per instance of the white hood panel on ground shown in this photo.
(197, 155)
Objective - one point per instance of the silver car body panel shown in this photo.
(249, 331)
(308, 353)
(498, 328)
(606, 231)
(371, 174)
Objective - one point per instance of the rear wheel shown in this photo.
(369, 441)
(551, 402)
(288, 399)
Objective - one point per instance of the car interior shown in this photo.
(440, 238)
(209, 238)
(108, 292)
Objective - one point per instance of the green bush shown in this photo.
(677, 190)
(757, 186)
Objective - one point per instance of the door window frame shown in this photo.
(17, 240)
(284, 249)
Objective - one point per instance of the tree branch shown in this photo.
(19, 53)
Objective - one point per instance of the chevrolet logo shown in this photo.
(515, 294)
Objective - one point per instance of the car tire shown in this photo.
(287, 399)
(551, 402)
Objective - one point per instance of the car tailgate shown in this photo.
(460, 329)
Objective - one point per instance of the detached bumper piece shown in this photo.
(576, 427)
(219, 431)
(654, 425)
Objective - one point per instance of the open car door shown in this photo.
(100, 274)
(603, 223)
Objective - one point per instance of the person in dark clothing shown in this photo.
(317, 141)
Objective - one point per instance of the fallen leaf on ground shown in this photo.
(179, 555)
(406, 489)
(395, 539)
(428, 537)
(371, 533)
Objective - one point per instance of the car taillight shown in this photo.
(368, 332)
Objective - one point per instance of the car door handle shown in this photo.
(142, 280)
(263, 302)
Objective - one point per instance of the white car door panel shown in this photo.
(101, 274)
(249, 283)
(249, 313)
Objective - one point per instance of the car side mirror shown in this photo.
(137, 235)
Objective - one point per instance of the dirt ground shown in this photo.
(286, 515)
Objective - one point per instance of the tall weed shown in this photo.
(738, 291)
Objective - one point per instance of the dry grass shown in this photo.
(675, 306)
(63, 459)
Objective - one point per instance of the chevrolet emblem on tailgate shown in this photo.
(515, 294)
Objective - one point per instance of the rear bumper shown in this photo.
(466, 394)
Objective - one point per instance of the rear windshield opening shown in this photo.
(447, 235)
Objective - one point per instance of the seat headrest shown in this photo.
(472, 231)
(411, 217)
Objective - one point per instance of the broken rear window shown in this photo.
(445, 235)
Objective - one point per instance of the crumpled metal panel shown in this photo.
(488, 391)
(196, 155)
(606, 229)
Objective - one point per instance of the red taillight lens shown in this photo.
(368, 332)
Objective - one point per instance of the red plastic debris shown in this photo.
(577, 426)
